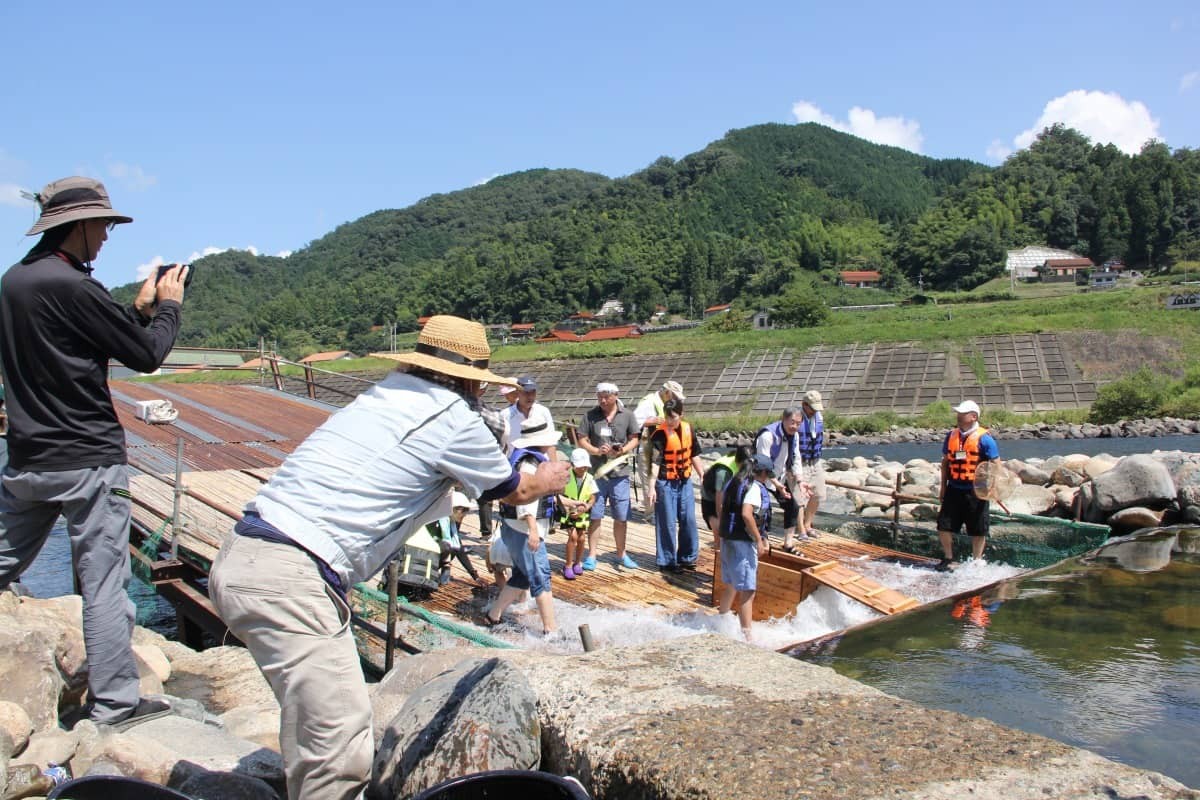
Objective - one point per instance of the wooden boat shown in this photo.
(785, 580)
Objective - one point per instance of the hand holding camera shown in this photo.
(171, 281)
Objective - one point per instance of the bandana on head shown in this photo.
(607, 388)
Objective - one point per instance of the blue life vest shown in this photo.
(810, 445)
(732, 525)
(778, 437)
(545, 505)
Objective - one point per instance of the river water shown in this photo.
(1096, 655)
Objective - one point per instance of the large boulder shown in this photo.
(61, 619)
(482, 715)
(30, 676)
(1134, 518)
(1098, 465)
(1187, 484)
(16, 723)
(153, 658)
(202, 784)
(1075, 462)
(1137, 480)
(837, 501)
(103, 752)
(1030, 499)
(408, 675)
(258, 724)
(838, 464)
(170, 648)
(1032, 476)
(1065, 476)
(210, 747)
(54, 746)
(220, 678)
(925, 476)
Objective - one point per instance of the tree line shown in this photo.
(766, 215)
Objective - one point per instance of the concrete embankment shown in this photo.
(699, 717)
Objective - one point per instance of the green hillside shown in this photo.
(764, 215)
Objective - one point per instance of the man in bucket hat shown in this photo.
(339, 508)
(59, 328)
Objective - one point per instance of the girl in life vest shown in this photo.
(745, 510)
(575, 505)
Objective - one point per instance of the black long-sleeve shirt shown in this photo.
(59, 327)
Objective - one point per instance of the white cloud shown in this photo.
(1190, 80)
(10, 195)
(283, 254)
(862, 122)
(998, 150)
(133, 176)
(144, 270)
(1104, 117)
(488, 179)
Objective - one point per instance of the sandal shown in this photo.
(791, 549)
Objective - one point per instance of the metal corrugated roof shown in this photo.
(222, 427)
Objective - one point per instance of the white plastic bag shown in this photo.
(498, 553)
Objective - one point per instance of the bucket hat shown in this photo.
(537, 432)
(452, 346)
(73, 199)
(675, 388)
(580, 458)
(813, 398)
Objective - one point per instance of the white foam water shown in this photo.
(824, 611)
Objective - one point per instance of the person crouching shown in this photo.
(524, 529)
(575, 506)
(744, 514)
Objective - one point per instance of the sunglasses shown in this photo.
(111, 225)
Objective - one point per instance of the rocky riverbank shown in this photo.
(699, 717)
(1161, 488)
(1166, 426)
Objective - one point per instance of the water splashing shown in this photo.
(822, 612)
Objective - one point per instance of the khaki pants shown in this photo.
(298, 630)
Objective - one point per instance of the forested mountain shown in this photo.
(764, 211)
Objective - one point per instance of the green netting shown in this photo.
(372, 603)
(149, 549)
(1022, 540)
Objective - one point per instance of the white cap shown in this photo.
(580, 458)
(967, 405)
(459, 500)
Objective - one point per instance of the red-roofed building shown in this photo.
(615, 332)
(860, 278)
(558, 335)
(520, 330)
(1054, 270)
(720, 309)
(332, 355)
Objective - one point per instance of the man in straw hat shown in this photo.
(338, 509)
(59, 327)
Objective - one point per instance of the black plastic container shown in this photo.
(113, 787)
(506, 783)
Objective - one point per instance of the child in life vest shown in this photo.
(575, 504)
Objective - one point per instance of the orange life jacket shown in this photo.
(677, 455)
(964, 469)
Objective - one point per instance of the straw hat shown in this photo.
(71, 200)
(452, 346)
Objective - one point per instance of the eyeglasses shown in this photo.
(111, 224)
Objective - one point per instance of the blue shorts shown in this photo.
(614, 492)
(529, 570)
(739, 564)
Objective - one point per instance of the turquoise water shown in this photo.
(1102, 655)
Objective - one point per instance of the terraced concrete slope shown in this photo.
(1020, 372)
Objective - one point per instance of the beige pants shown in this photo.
(298, 630)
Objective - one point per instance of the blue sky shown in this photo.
(267, 124)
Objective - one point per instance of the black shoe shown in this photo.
(689, 566)
(146, 710)
(943, 565)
